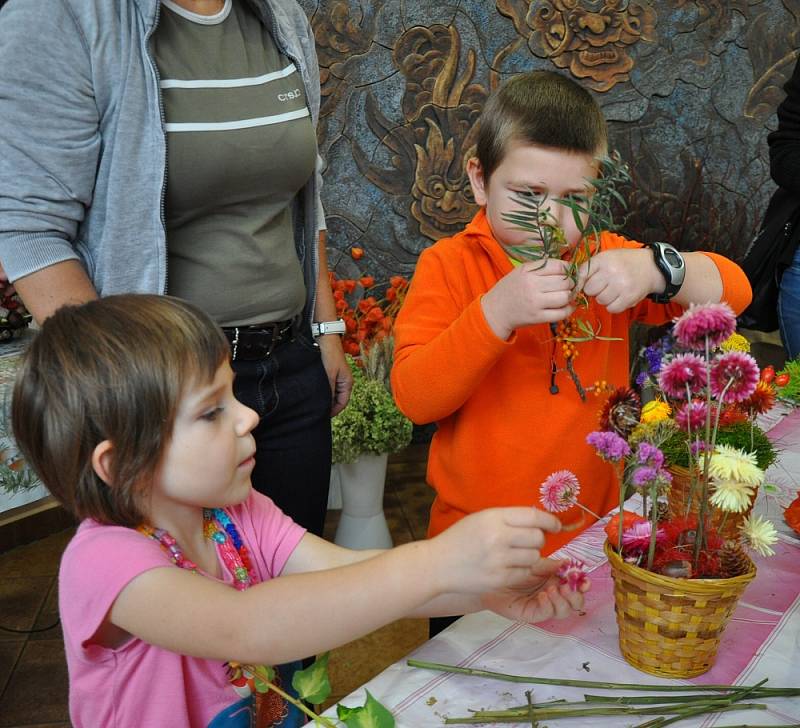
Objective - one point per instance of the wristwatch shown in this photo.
(321, 328)
(671, 265)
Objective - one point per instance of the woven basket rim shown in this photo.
(693, 586)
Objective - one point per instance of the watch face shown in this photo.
(673, 257)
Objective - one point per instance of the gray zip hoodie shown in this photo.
(82, 144)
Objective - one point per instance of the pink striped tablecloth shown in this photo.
(762, 639)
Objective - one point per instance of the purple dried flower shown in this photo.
(649, 454)
(609, 445)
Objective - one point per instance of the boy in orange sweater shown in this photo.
(475, 352)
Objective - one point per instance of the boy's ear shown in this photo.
(103, 460)
(476, 180)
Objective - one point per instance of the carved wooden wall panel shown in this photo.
(689, 88)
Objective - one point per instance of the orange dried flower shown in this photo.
(356, 253)
(761, 400)
(371, 318)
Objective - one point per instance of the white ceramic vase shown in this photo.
(362, 524)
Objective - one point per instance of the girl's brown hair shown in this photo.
(111, 369)
(539, 107)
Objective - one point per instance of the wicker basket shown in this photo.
(671, 627)
(679, 493)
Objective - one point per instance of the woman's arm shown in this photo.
(50, 288)
(49, 148)
(339, 375)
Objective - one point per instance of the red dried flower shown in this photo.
(621, 411)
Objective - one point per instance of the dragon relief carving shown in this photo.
(428, 150)
(591, 38)
(339, 36)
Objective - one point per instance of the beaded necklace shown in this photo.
(219, 528)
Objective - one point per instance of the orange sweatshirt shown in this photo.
(500, 430)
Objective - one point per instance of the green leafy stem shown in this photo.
(704, 699)
(313, 686)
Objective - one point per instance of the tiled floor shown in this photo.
(33, 673)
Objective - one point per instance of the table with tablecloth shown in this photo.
(762, 639)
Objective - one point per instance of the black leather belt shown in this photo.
(257, 341)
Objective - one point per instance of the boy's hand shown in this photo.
(619, 279)
(532, 293)
(539, 598)
(492, 549)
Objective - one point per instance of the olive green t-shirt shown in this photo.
(240, 144)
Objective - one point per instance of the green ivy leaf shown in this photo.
(312, 684)
(370, 715)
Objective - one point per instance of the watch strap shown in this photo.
(323, 328)
(672, 266)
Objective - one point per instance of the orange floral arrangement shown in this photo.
(367, 314)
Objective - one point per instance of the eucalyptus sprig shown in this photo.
(593, 212)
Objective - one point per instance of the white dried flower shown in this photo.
(760, 534)
(731, 496)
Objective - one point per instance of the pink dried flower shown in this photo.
(637, 537)
(609, 445)
(697, 447)
(691, 416)
(560, 491)
(736, 371)
(685, 370)
(573, 572)
(714, 321)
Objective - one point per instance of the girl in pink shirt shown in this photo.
(181, 579)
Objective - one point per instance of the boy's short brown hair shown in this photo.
(539, 107)
(111, 369)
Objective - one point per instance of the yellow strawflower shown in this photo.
(655, 410)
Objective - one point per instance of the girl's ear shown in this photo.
(103, 460)
(476, 180)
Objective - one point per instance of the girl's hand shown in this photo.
(491, 550)
(532, 293)
(541, 598)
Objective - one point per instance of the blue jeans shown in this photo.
(290, 392)
(789, 307)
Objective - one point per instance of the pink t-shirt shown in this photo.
(139, 684)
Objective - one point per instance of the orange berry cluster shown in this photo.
(601, 386)
(566, 330)
(368, 318)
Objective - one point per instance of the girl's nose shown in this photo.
(247, 419)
